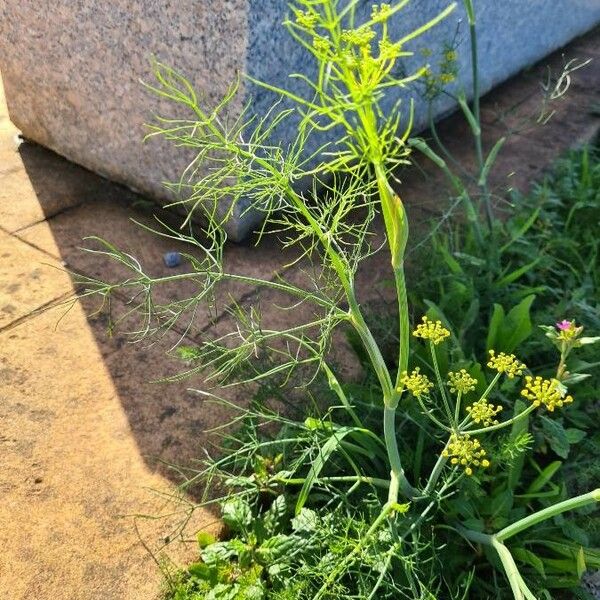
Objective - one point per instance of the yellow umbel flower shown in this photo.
(447, 77)
(545, 391)
(461, 382)
(483, 412)
(306, 19)
(360, 37)
(416, 383)
(431, 330)
(506, 363)
(321, 45)
(381, 12)
(466, 452)
(388, 50)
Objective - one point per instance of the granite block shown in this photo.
(72, 69)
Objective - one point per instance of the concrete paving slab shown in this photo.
(73, 465)
(10, 159)
(29, 279)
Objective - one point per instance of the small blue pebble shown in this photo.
(172, 259)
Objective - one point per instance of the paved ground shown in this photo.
(83, 434)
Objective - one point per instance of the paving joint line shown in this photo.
(36, 312)
(47, 219)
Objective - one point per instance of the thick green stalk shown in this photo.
(517, 584)
(396, 224)
(547, 513)
(376, 481)
(397, 233)
(375, 356)
(531, 520)
(457, 406)
(397, 477)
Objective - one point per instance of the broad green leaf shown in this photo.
(575, 435)
(522, 230)
(560, 565)
(218, 552)
(574, 378)
(305, 521)
(236, 514)
(501, 504)
(278, 547)
(556, 436)
(274, 516)
(516, 327)
(470, 259)
(584, 341)
(452, 263)
(201, 571)
(495, 324)
(223, 591)
(470, 316)
(205, 539)
(575, 533)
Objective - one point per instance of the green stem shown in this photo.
(375, 356)
(404, 332)
(475, 536)
(397, 478)
(457, 407)
(397, 233)
(440, 382)
(547, 513)
(517, 584)
(490, 387)
(528, 410)
(429, 414)
(376, 481)
(482, 181)
(436, 472)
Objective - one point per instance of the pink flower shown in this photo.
(564, 325)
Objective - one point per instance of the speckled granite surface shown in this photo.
(72, 71)
(71, 68)
(591, 582)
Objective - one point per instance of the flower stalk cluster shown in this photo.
(462, 449)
